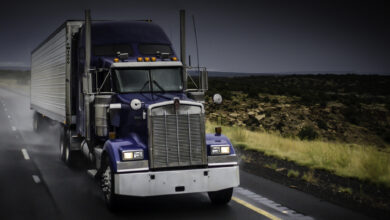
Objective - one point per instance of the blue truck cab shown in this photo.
(129, 112)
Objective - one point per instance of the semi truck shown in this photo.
(120, 96)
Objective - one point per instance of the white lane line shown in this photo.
(13, 128)
(25, 154)
(36, 179)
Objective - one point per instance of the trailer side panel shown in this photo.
(48, 74)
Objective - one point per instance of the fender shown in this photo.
(214, 139)
(112, 148)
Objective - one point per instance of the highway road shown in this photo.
(35, 184)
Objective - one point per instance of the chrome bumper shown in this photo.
(176, 181)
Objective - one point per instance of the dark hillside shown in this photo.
(347, 108)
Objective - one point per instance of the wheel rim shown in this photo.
(106, 183)
(62, 149)
(67, 153)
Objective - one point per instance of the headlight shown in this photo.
(132, 155)
(219, 149)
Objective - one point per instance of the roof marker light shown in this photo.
(153, 59)
(174, 58)
(116, 60)
(147, 59)
(139, 59)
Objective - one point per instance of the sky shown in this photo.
(273, 36)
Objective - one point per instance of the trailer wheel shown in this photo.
(221, 197)
(66, 154)
(37, 122)
(107, 183)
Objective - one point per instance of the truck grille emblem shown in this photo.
(176, 105)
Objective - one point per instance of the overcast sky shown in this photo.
(235, 36)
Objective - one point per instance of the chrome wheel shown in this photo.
(106, 183)
(62, 150)
(67, 153)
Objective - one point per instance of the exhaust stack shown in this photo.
(87, 81)
(183, 36)
(183, 45)
(87, 41)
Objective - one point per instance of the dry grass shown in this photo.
(309, 177)
(348, 160)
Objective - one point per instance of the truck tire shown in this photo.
(107, 183)
(68, 156)
(37, 122)
(221, 197)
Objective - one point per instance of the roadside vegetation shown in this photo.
(337, 108)
(347, 160)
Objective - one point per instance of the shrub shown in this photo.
(307, 133)
(323, 104)
(346, 190)
(386, 136)
(226, 94)
(310, 177)
(352, 114)
(293, 173)
(252, 93)
(321, 124)
(388, 106)
(266, 99)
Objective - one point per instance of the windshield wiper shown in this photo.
(143, 87)
(159, 86)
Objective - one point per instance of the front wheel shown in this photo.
(108, 185)
(221, 197)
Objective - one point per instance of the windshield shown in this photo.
(148, 80)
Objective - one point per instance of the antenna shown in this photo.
(196, 44)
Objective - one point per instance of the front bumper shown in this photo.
(176, 181)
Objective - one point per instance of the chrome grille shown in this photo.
(177, 138)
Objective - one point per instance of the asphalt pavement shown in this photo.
(35, 184)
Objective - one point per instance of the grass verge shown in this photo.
(347, 160)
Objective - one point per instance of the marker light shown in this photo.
(132, 155)
(153, 59)
(219, 149)
(174, 58)
(147, 59)
(116, 60)
(139, 59)
(112, 135)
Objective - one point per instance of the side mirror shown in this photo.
(217, 98)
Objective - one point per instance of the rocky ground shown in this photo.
(331, 121)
